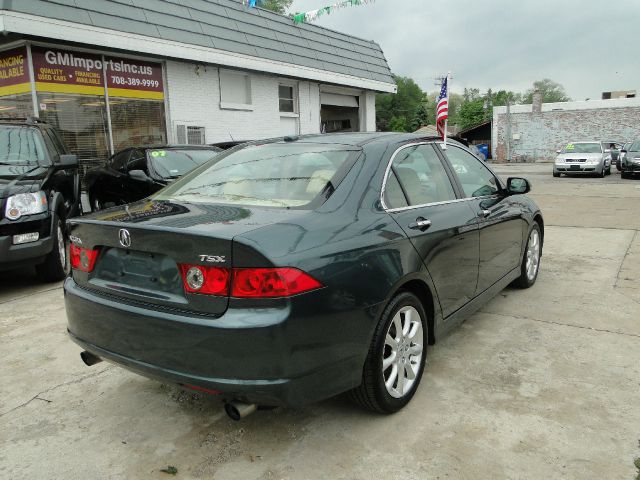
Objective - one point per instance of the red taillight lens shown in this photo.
(271, 282)
(82, 259)
(246, 282)
(205, 280)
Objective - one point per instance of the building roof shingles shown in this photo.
(225, 25)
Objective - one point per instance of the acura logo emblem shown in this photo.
(125, 237)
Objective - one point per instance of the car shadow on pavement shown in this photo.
(22, 282)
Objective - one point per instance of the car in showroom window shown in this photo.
(137, 172)
(284, 272)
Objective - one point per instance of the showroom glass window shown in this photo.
(476, 179)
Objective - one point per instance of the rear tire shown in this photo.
(609, 170)
(624, 174)
(56, 264)
(396, 358)
(556, 174)
(530, 265)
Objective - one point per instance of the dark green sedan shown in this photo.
(288, 271)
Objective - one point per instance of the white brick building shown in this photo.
(531, 133)
(112, 73)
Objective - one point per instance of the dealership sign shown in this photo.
(14, 72)
(66, 71)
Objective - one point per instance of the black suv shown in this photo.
(39, 190)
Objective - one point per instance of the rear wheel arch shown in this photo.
(538, 219)
(421, 290)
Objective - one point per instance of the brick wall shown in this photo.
(194, 99)
(541, 134)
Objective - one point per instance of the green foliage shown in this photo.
(411, 108)
(171, 470)
(421, 117)
(398, 124)
(500, 98)
(399, 107)
(278, 6)
(551, 92)
(471, 113)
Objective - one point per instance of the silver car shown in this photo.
(591, 158)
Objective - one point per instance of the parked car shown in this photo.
(136, 172)
(39, 190)
(623, 152)
(630, 163)
(591, 158)
(289, 271)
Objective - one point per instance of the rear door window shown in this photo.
(421, 177)
(119, 160)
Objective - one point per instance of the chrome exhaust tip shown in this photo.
(238, 410)
(89, 358)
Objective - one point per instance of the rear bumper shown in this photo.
(270, 356)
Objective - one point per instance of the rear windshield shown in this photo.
(276, 175)
(173, 163)
(20, 146)
(582, 148)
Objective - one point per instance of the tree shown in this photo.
(398, 124)
(278, 6)
(500, 98)
(402, 106)
(421, 117)
(551, 92)
(471, 113)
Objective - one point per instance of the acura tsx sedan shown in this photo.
(288, 271)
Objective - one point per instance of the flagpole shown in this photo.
(446, 122)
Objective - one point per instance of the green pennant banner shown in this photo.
(312, 15)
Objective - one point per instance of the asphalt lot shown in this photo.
(542, 383)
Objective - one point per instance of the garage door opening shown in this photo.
(339, 113)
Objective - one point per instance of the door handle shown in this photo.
(484, 213)
(420, 224)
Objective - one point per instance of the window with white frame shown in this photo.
(286, 98)
(235, 89)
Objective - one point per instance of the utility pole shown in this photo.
(508, 128)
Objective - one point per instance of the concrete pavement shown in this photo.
(541, 383)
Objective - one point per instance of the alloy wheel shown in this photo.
(62, 247)
(402, 353)
(533, 254)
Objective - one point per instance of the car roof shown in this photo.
(358, 138)
(168, 146)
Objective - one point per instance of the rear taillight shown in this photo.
(205, 280)
(82, 259)
(246, 282)
(271, 282)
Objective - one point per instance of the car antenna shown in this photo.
(232, 139)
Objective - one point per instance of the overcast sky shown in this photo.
(588, 46)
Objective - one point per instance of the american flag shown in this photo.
(442, 108)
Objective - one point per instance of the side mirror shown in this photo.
(140, 176)
(607, 150)
(558, 151)
(623, 151)
(67, 161)
(518, 186)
